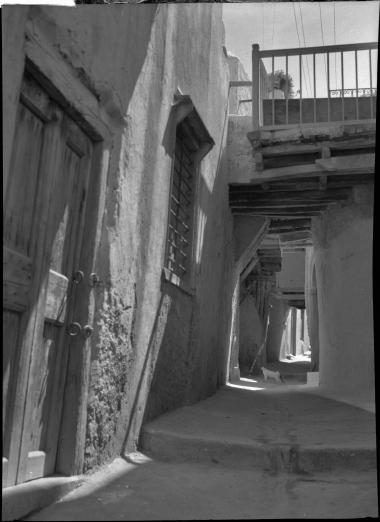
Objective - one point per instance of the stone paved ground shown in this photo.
(153, 490)
(253, 450)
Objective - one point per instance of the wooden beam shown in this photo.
(354, 165)
(321, 195)
(295, 236)
(277, 214)
(361, 141)
(287, 222)
(323, 182)
(285, 206)
(343, 181)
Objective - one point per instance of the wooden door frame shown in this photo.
(63, 86)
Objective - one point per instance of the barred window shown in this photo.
(181, 201)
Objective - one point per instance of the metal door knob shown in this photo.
(74, 329)
(87, 330)
(78, 277)
(94, 279)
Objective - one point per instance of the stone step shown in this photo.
(169, 446)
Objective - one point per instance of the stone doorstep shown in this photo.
(282, 457)
(19, 501)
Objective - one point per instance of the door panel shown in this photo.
(50, 348)
(44, 228)
(17, 277)
(22, 217)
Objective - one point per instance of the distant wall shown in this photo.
(277, 323)
(238, 94)
(343, 256)
(311, 303)
(251, 335)
(241, 161)
(292, 273)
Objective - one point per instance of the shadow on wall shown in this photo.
(113, 345)
(191, 361)
(158, 337)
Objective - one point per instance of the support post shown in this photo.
(293, 331)
(255, 86)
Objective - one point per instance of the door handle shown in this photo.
(94, 279)
(74, 329)
(87, 330)
(78, 277)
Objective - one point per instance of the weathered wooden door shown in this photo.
(43, 232)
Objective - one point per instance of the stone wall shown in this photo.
(132, 59)
(342, 240)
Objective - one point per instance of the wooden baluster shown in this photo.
(273, 90)
(370, 82)
(255, 86)
(342, 73)
(328, 87)
(357, 85)
(315, 89)
(300, 104)
(286, 92)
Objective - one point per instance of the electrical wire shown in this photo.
(274, 17)
(335, 44)
(304, 41)
(299, 43)
(323, 40)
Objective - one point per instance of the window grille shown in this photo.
(181, 202)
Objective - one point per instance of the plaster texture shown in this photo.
(292, 275)
(241, 159)
(238, 98)
(342, 240)
(130, 60)
(251, 335)
(311, 303)
(277, 323)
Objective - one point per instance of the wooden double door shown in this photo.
(44, 227)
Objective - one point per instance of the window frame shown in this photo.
(190, 125)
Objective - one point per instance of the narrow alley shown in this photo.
(252, 450)
(187, 260)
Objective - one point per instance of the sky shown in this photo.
(274, 25)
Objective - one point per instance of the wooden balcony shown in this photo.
(278, 108)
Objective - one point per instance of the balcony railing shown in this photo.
(353, 92)
(304, 94)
